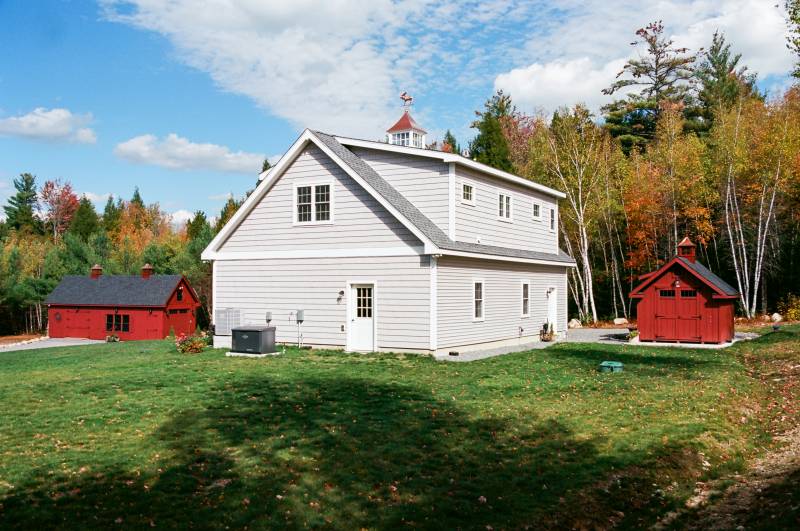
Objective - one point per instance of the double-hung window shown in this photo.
(504, 207)
(468, 194)
(537, 211)
(552, 220)
(477, 300)
(313, 203)
(526, 299)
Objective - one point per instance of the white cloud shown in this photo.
(95, 198)
(179, 217)
(221, 197)
(178, 153)
(576, 58)
(50, 124)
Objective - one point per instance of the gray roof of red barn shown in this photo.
(706, 273)
(114, 290)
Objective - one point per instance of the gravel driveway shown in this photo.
(49, 343)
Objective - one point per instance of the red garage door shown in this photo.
(77, 323)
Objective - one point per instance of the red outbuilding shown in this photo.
(146, 306)
(685, 302)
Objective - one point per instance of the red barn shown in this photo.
(147, 306)
(685, 302)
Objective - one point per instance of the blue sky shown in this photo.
(183, 98)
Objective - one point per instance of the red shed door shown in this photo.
(666, 314)
(688, 307)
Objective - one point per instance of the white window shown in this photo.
(477, 300)
(468, 194)
(504, 207)
(401, 139)
(537, 211)
(313, 203)
(526, 298)
(552, 220)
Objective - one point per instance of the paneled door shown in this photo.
(361, 329)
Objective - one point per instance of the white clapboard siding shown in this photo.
(502, 300)
(422, 180)
(481, 220)
(359, 220)
(282, 286)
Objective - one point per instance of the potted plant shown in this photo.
(547, 333)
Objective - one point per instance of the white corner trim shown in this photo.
(434, 297)
(213, 292)
(451, 201)
(451, 157)
(333, 252)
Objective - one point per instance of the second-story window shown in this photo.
(504, 207)
(552, 219)
(537, 211)
(468, 193)
(313, 203)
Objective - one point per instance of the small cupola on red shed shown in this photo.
(147, 271)
(406, 131)
(686, 249)
(96, 271)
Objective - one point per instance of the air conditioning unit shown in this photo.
(253, 339)
(225, 320)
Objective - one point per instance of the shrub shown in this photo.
(190, 344)
(789, 307)
(113, 338)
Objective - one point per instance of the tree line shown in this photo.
(50, 232)
(691, 149)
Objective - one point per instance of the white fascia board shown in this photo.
(365, 252)
(501, 258)
(274, 173)
(451, 157)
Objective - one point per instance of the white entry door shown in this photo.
(552, 307)
(361, 336)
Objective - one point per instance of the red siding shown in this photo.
(143, 323)
(688, 313)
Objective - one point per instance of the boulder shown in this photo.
(620, 321)
(574, 323)
(776, 318)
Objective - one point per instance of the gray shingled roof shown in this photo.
(419, 220)
(114, 290)
(706, 273)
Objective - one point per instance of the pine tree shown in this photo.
(722, 80)
(23, 204)
(196, 225)
(85, 222)
(450, 144)
(665, 73)
(265, 166)
(227, 212)
(111, 215)
(137, 198)
(490, 145)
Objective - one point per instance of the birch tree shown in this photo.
(755, 145)
(576, 156)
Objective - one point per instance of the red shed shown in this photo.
(145, 306)
(685, 302)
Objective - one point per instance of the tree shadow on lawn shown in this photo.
(347, 453)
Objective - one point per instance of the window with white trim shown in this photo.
(526, 299)
(477, 300)
(504, 207)
(467, 194)
(552, 220)
(313, 203)
(537, 211)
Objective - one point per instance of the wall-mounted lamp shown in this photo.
(677, 283)
(268, 317)
(340, 295)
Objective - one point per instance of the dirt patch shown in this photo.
(8, 340)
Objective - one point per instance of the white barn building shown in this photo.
(390, 247)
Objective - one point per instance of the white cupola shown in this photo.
(406, 131)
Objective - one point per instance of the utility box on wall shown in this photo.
(253, 339)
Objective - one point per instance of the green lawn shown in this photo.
(135, 434)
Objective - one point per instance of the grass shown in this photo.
(135, 435)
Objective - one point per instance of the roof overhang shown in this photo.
(502, 258)
(271, 176)
(649, 278)
(451, 157)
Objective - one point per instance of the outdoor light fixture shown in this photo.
(677, 283)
